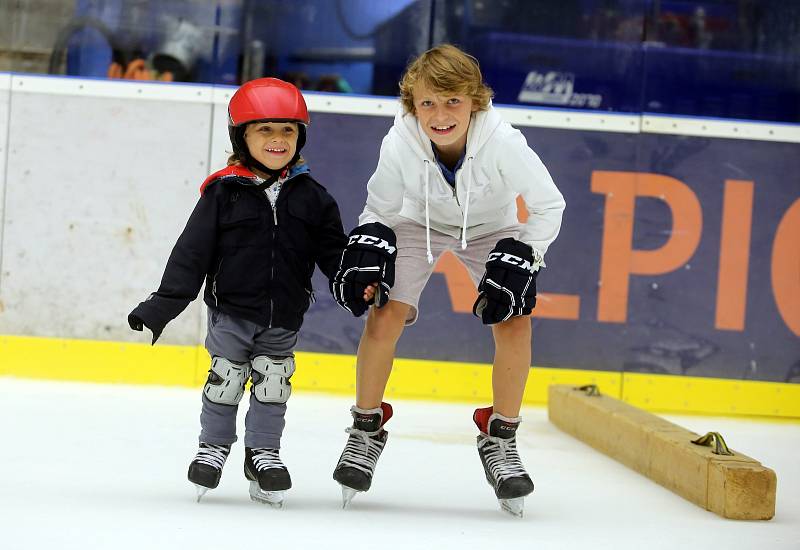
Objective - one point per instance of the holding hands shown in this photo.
(366, 271)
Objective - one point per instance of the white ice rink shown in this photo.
(104, 467)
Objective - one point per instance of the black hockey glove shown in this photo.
(508, 287)
(367, 259)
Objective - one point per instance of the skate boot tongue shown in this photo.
(495, 424)
(367, 422)
(502, 429)
(371, 420)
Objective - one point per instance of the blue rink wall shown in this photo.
(670, 324)
(678, 260)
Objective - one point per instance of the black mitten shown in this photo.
(146, 314)
(508, 288)
(135, 323)
(367, 259)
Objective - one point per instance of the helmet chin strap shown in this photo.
(273, 173)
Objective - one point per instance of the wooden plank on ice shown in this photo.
(734, 486)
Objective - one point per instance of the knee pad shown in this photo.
(226, 380)
(271, 379)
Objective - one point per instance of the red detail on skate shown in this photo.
(387, 413)
(481, 418)
(228, 172)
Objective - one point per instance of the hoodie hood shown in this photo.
(498, 168)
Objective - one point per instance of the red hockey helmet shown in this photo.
(265, 100)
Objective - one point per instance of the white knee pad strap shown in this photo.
(271, 379)
(226, 380)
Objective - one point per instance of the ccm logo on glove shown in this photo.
(367, 260)
(513, 260)
(372, 241)
(508, 288)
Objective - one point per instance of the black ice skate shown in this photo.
(497, 447)
(206, 468)
(269, 478)
(362, 450)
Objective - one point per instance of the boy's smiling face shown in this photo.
(444, 117)
(273, 144)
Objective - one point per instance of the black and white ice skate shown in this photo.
(206, 468)
(361, 452)
(269, 478)
(497, 447)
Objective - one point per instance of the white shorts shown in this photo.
(412, 269)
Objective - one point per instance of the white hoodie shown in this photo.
(497, 167)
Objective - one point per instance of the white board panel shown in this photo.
(98, 190)
(120, 89)
(220, 141)
(570, 119)
(5, 95)
(722, 128)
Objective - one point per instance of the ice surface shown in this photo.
(104, 467)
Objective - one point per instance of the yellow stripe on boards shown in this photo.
(97, 361)
(325, 372)
(128, 363)
(661, 392)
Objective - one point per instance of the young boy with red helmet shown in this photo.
(254, 236)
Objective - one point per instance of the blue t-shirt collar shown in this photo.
(449, 175)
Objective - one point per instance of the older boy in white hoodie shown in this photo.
(448, 176)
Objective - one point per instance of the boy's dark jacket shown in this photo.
(253, 267)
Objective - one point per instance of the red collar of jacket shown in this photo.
(229, 172)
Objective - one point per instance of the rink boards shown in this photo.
(133, 363)
(675, 282)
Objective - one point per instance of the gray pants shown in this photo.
(239, 341)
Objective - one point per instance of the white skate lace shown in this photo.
(502, 458)
(267, 459)
(213, 455)
(361, 451)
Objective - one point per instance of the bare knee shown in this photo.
(516, 330)
(386, 324)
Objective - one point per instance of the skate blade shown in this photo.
(200, 491)
(514, 506)
(272, 498)
(347, 495)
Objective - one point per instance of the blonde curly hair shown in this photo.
(445, 69)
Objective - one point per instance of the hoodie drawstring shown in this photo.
(427, 213)
(468, 177)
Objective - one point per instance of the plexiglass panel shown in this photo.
(723, 58)
(713, 58)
